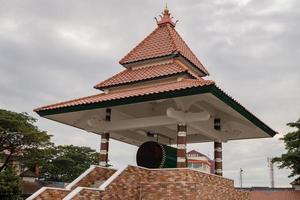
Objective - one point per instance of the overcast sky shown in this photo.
(58, 50)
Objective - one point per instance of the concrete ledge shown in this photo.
(77, 191)
(84, 174)
(69, 187)
(113, 177)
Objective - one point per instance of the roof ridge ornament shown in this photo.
(165, 18)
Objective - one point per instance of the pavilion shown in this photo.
(163, 95)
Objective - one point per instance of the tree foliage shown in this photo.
(9, 184)
(291, 159)
(62, 163)
(21, 140)
(18, 134)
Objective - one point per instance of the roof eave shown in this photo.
(201, 72)
(151, 59)
(102, 88)
(214, 90)
(217, 92)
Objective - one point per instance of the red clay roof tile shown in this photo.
(159, 88)
(275, 195)
(163, 41)
(196, 153)
(145, 73)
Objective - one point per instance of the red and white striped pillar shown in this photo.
(105, 143)
(181, 145)
(218, 158)
(218, 150)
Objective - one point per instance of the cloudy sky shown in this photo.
(57, 50)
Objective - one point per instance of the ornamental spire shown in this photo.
(166, 18)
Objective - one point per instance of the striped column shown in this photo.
(181, 145)
(105, 143)
(218, 158)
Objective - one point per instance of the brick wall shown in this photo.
(87, 194)
(52, 193)
(188, 190)
(187, 184)
(162, 184)
(95, 178)
(188, 175)
(168, 190)
(140, 183)
(126, 185)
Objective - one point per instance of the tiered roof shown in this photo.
(145, 73)
(136, 92)
(163, 41)
(162, 56)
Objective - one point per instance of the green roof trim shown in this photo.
(240, 109)
(165, 95)
(125, 101)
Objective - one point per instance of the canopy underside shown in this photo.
(157, 120)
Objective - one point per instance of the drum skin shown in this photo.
(154, 155)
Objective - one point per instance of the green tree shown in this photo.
(291, 159)
(62, 163)
(22, 140)
(9, 184)
(18, 134)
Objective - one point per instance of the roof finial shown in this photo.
(165, 18)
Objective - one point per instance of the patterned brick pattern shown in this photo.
(275, 195)
(95, 178)
(127, 185)
(189, 190)
(168, 190)
(145, 184)
(188, 184)
(181, 146)
(52, 194)
(87, 194)
(104, 146)
(188, 175)
(139, 183)
(218, 158)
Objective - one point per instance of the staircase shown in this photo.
(132, 182)
(91, 178)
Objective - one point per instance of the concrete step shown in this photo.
(91, 178)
